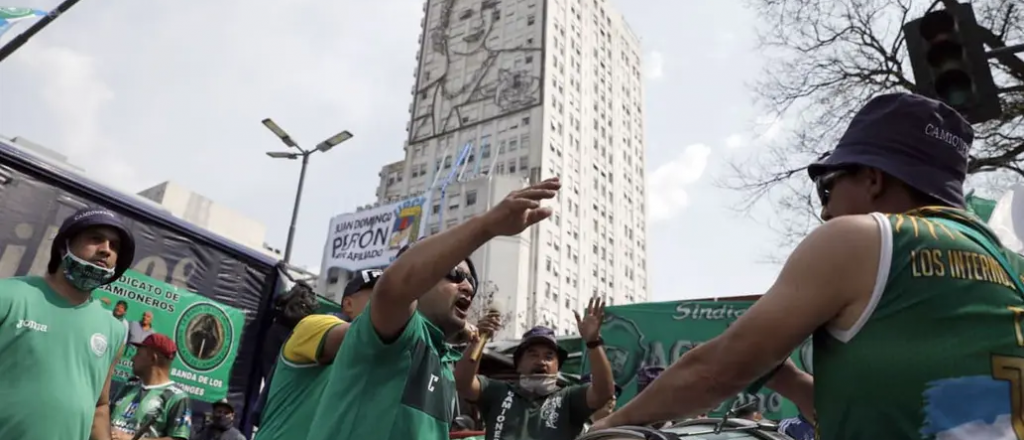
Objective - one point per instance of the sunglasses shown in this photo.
(825, 182)
(457, 276)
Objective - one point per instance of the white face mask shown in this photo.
(539, 384)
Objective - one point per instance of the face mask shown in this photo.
(222, 422)
(539, 384)
(83, 275)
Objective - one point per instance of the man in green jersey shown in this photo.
(535, 406)
(58, 345)
(151, 405)
(300, 373)
(392, 379)
(915, 315)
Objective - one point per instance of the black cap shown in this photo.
(363, 279)
(87, 218)
(225, 403)
(540, 335)
(921, 141)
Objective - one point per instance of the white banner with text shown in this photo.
(373, 237)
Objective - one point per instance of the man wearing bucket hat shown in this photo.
(58, 345)
(535, 407)
(914, 306)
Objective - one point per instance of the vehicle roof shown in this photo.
(131, 204)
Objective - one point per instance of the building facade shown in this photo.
(525, 90)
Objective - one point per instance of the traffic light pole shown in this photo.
(22, 38)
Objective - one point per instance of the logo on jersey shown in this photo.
(204, 334)
(98, 344)
(31, 325)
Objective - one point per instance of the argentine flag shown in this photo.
(9, 16)
(968, 408)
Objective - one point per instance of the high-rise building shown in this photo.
(535, 89)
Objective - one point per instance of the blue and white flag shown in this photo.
(9, 16)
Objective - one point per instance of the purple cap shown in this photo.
(646, 375)
(920, 141)
(588, 378)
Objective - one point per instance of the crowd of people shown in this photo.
(913, 306)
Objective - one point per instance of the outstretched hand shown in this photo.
(521, 208)
(590, 324)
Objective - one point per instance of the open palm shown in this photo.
(589, 325)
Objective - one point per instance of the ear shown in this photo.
(876, 181)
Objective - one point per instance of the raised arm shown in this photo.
(418, 269)
(833, 269)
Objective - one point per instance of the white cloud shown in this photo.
(655, 65)
(668, 183)
(735, 140)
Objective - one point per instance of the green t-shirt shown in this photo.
(54, 360)
(939, 354)
(512, 414)
(165, 409)
(404, 390)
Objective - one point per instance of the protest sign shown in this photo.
(207, 332)
(372, 238)
(657, 334)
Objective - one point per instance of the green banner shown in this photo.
(207, 332)
(656, 334)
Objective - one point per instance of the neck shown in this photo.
(155, 376)
(59, 284)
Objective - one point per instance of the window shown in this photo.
(470, 198)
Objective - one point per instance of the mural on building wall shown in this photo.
(462, 33)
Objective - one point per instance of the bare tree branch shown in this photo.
(825, 60)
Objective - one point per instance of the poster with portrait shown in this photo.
(207, 332)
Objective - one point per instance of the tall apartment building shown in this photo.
(538, 88)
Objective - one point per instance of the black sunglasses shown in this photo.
(457, 276)
(825, 182)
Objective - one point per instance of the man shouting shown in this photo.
(535, 407)
(392, 378)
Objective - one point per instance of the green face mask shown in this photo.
(83, 275)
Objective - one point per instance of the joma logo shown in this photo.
(31, 325)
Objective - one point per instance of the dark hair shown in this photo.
(296, 304)
(122, 303)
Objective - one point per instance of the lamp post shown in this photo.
(322, 147)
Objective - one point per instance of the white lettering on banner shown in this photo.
(371, 238)
(695, 311)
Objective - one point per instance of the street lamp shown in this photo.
(323, 147)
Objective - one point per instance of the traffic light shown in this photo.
(949, 62)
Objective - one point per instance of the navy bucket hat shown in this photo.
(540, 335)
(88, 218)
(920, 141)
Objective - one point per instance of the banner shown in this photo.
(372, 238)
(207, 332)
(657, 334)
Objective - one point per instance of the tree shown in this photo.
(487, 297)
(825, 59)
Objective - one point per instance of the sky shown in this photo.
(138, 93)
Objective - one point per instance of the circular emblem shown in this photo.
(204, 334)
(98, 344)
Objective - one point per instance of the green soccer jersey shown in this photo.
(158, 410)
(298, 381)
(511, 414)
(939, 352)
(54, 360)
(404, 390)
